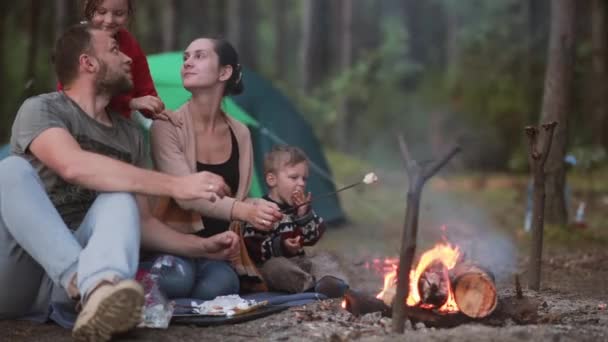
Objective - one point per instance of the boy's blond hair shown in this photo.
(283, 155)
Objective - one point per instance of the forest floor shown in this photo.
(483, 217)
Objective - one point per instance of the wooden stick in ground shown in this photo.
(417, 177)
(539, 150)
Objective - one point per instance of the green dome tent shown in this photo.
(271, 118)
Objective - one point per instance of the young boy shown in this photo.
(279, 252)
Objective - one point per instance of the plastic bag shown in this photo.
(158, 310)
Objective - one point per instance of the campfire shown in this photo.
(443, 284)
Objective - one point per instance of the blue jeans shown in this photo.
(39, 255)
(202, 279)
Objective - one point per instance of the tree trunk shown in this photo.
(242, 30)
(281, 42)
(168, 24)
(599, 63)
(61, 16)
(314, 50)
(32, 49)
(346, 123)
(557, 103)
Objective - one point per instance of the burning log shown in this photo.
(433, 285)
(474, 290)
(359, 303)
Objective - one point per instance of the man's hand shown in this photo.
(298, 198)
(150, 103)
(223, 246)
(292, 246)
(264, 214)
(204, 184)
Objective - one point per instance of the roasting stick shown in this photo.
(369, 178)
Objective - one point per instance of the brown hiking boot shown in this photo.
(110, 309)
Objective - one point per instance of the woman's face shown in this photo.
(201, 67)
(111, 15)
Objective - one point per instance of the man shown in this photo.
(69, 223)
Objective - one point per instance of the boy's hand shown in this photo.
(297, 197)
(292, 246)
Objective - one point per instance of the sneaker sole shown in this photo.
(117, 313)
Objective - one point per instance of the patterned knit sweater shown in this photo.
(263, 245)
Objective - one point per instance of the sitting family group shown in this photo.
(81, 213)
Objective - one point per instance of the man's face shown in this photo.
(287, 180)
(114, 72)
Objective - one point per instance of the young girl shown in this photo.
(113, 16)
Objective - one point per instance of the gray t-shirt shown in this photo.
(122, 141)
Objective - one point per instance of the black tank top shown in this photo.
(229, 170)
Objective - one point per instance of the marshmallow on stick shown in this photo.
(370, 178)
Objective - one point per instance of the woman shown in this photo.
(208, 140)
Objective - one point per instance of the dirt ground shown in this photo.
(485, 222)
(572, 307)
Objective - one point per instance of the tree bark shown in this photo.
(557, 103)
(346, 123)
(168, 24)
(314, 50)
(281, 42)
(242, 30)
(32, 49)
(599, 63)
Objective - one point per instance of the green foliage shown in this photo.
(371, 89)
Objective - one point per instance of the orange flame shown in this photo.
(443, 252)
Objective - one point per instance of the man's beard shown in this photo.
(112, 83)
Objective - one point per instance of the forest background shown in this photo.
(362, 71)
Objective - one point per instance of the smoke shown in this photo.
(461, 222)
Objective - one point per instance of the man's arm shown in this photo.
(59, 151)
(158, 237)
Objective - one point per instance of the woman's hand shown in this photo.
(223, 246)
(261, 214)
(293, 245)
(264, 214)
(204, 184)
(150, 103)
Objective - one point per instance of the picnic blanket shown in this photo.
(64, 314)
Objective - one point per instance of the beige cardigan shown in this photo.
(174, 152)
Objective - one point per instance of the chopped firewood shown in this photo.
(359, 303)
(474, 290)
(433, 285)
